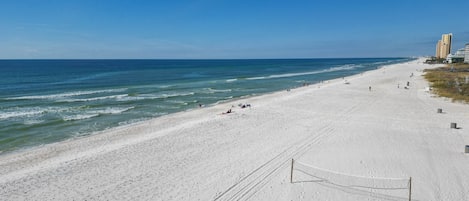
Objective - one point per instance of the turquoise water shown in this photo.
(45, 101)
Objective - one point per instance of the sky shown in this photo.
(228, 29)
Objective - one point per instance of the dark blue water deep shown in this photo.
(44, 101)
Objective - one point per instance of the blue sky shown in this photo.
(214, 29)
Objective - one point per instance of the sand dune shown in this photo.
(344, 129)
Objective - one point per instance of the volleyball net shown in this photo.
(303, 172)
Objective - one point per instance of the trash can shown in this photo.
(467, 149)
(453, 125)
(439, 110)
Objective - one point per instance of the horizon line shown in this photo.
(293, 58)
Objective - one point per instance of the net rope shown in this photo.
(323, 175)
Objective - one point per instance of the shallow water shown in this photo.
(45, 101)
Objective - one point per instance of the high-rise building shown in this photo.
(438, 45)
(444, 46)
(466, 54)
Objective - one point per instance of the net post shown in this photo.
(291, 171)
(410, 188)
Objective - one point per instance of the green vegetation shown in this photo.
(434, 60)
(451, 81)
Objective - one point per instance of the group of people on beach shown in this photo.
(241, 105)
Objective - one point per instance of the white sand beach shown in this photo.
(355, 135)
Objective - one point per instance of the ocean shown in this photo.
(46, 101)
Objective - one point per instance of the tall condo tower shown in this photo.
(444, 46)
(438, 45)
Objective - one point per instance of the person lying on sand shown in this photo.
(245, 105)
(227, 112)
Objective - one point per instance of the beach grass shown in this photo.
(451, 81)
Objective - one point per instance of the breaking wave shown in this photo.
(95, 98)
(96, 113)
(333, 69)
(79, 117)
(28, 112)
(64, 95)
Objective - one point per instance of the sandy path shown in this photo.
(203, 155)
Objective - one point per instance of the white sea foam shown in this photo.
(333, 69)
(36, 112)
(20, 113)
(163, 96)
(344, 67)
(113, 110)
(65, 95)
(33, 121)
(79, 117)
(153, 96)
(231, 80)
(152, 86)
(132, 98)
(177, 94)
(220, 90)
(212, 91)
(95, 98)
(157, 114)
(95, 113)
(182, 102)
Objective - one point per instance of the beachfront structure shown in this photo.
(466, 54)
(458, 57)
(443, 47)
